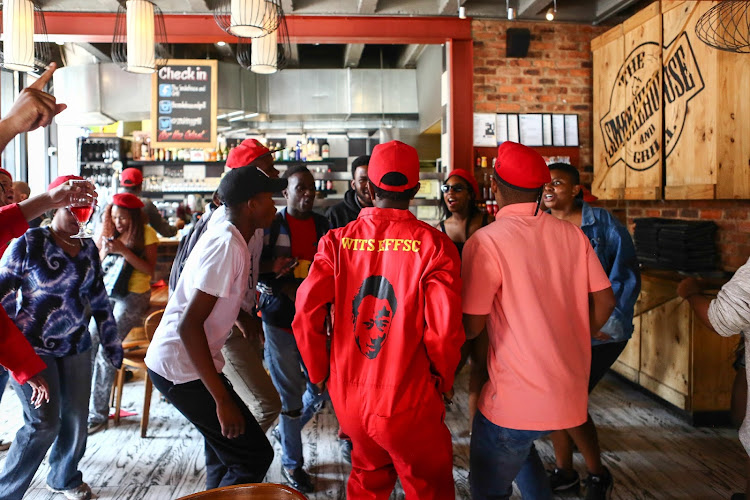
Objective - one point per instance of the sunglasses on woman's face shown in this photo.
(456, 188)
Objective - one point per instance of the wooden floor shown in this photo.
(651, 451)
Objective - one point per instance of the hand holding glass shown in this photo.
(81, 206)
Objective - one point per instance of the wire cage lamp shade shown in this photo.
(21, 20)
(726, 26)
(248, 18)
(267, 54)
(139, 44)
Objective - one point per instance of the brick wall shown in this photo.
(556, 77)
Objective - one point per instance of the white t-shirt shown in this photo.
(219, 265)
(255, 246)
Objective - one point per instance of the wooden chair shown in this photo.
(134, 351)
(261, 491)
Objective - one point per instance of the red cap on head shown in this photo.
(394, 166)
(520, 167)
(62, 180)
(465, 175)
(246, 153)
(131, 177)
(127, 200)
(3, 171)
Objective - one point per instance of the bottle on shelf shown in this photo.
(298, 152)
(325, 150)
(329, 184)
(278, 154)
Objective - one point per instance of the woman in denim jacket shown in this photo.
(614, 247)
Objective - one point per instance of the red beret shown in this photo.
(588, 197)
(394, 166)
(459, 172)
(3, 171)
(62, 180)
(520, 167)
(127, 200)
(131, 177)
(246, 153)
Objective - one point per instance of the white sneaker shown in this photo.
(80, 492)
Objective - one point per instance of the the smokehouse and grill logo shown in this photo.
(634, 128)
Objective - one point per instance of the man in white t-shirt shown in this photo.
(184, 358)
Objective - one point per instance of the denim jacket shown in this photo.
(614, 247)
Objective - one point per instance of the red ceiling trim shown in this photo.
(99, 27)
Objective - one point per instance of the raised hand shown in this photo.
(34, 107)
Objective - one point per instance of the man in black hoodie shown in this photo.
(355, 199)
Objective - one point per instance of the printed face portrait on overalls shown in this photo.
(373, 309)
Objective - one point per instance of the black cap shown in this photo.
(240, 184)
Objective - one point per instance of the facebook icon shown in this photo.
(165, 90)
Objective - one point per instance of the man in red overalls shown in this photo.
(393, 283)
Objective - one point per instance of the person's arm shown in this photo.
(313, 297)
(12, 223)
(625, 277)
(158, 222)
(193, 336)
(482, 279)
(58, 197)
(146, 265)
(689, 290)
(601, 305)
(443, 333)
(34, 108)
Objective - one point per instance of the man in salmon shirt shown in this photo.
(393, 283)
(535, 283)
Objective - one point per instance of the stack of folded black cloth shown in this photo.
(679, 245)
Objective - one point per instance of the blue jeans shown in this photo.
(299, 397)
(61, 423)
(499, 455)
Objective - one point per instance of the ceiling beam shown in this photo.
(448, 7)
(352, 54)
(287, 6)
(607, 8)
(410, 55)
(530, 8)
(98, 28)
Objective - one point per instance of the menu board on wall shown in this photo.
(183, 104)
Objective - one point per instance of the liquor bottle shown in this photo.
(298, 152)
(329, 184)
(325, 150)
(316, 150)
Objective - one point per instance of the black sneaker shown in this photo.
(563, 479)
(298, 479)
(599, 486)
(346, 449)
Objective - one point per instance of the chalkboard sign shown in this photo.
(183, 104)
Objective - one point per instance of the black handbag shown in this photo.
(117, 273)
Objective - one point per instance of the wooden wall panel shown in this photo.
(609, 170)
(643, 72)
(629, 363)
(665, 344)
(690, 108)
(733, 154)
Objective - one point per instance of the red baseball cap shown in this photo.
(131, 177)
(127, 200)
(520, 167)
(3, 171)
(246, 153)
(62, 180)
(465, 175)
(394, 166)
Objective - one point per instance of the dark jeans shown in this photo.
(244, 459)
(499, 455)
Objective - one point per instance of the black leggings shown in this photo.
(603, 356)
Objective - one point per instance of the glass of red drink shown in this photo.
(82, 206)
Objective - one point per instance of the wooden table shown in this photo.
(159, 297)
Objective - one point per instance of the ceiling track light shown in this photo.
(510, 11)
(552, 11)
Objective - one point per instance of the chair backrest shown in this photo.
(261, 491)
(152, 321)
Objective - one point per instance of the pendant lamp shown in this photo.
(248, 18)
(140, 40)
(726, 26)
(268, 54)
(21, 19)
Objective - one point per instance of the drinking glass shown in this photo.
(81, 206)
